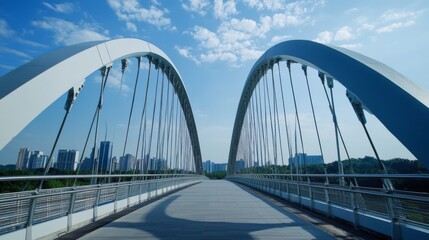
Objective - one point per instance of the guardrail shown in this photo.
(394, 213)
(51, 212)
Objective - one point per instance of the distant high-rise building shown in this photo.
(38, 160)
(87, 162)
(220, 167)
(23, 159)
(240, 165)
(104, 156)
(126, 163)
(208, 166)
(67, 159)
(301, 159)
(115, 164)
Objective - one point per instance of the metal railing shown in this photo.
(21, 210)
(396, 213)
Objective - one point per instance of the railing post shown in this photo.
(140, 191)
(354, 203)
(97, 200)
(115, 203)
(128, 196)
(328, 202)
(396, 230)
(28, 231)
(310, 193)
(70, 212)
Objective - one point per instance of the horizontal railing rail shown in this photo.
(398, 214)
(76, 205)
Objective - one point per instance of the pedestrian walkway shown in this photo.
(210, 210)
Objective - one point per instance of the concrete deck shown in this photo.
(210, 210)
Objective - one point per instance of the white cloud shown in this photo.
(130, 10)
(236, 40)
(68, 33)
(351, 46)
(273, 5)
(60, 7)
(197, 6)
(344, 34)
(277, 39)
(131, 26)
(207, 38)
(223, 10)
(5, 31)
(394, 26)
(186, 52)
(324, 37)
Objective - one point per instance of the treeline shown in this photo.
(216, 175)
(366, 165)
(29, 185)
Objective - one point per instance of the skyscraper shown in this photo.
(104, 157)
(38, 160)
(23, 158)
(126, 163)
(67, 159)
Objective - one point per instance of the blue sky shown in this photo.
(214, 45)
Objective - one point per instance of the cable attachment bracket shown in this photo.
(72, 95)
(124, 64)
(357, 105)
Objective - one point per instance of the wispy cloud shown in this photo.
(7, 67)
(30, 43)
(393, 26)
(60, 7)
(130, 11)
(68, 33)
(115, 81)
(16, 53)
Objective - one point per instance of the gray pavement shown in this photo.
(210, 210)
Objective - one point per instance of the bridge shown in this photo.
(161, 173)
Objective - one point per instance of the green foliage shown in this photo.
(366, 165)
(216, 175)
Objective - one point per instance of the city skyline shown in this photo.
(213, 68)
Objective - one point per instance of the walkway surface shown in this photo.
(210, 210)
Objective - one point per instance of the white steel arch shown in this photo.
(51, 75)
(397, 102)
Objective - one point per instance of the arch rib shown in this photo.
(403, 107)
(38, 83)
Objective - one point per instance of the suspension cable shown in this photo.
(285, 119)
(153, 114)
(273, 133)
(142, 117)
(132, 104)
(288, 63)
(304, 69)
(276, 113)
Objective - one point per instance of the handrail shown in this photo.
(35, 177)
(392, 176)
